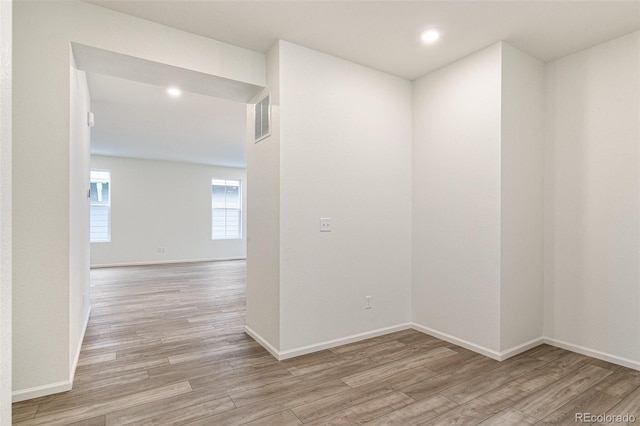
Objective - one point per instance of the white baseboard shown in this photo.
(38, 391)
(457, 341)
(164, 262)
(521, 348)
(501, 356)
(51, 388)
(303, 350)
(262, 341)
(291, 353)
(74, 365)
(614, 359)
(498, 356)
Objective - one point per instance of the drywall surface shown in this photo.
(263, 216)
(163, 204)
(6, 12)
(592, 281)
(345, 154)
(42, 32)
(456, 199)
(522, 198)
(79, 148)
(40, 178)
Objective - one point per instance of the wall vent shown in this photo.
(263, 118)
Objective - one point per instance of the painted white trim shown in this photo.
(501, 356)
(614, 359)
(498, 356)
(165, 262)
(77, 357)
(38, 391)
(521, 348)
(456, 341)
(303, 350)
(291, 353)
(262, 341)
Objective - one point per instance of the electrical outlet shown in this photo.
(325, 224)
(368, 302)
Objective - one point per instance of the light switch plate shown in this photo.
(325, 224)
(368, 302)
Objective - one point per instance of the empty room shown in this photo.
(310, 212)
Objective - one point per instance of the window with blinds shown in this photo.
(226, 207)
(100, 210)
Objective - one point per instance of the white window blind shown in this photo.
(226, 207)
(100, 210)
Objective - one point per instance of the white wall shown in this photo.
(592, 281)
(163, 204)
(79, 148)
(5, 210)
(263, 211)
(478, 201)
(41, 153)
(345, 153)
(456, 199)
(40, 236)
(522, 198)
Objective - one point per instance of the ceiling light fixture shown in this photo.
(174, 91)
(429, 36)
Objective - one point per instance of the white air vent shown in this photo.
(263, 118)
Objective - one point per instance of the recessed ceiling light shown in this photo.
(174, 91)
(430, 36)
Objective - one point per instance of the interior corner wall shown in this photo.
(522, 199)
(79, 149)
(345, 154)
(263, 222)
(42, 32)
(456, 201)
(6, 12)
(163, 204)
(592, 190)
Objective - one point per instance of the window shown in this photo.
(100, 216)
(226, 206)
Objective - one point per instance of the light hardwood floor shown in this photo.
(165, 345)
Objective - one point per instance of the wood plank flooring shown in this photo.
(165, 346)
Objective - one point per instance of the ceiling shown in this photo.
(384, 34)
(139, 120)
